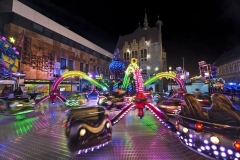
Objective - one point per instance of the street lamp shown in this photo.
(170, 70)
(148, 68)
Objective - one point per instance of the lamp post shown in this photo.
(170, 70)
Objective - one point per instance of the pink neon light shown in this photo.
(138, 80)
(122, 113)
(42, 100)
(56, 83)
(62, 98)
(179, 82)
(17, 53)
(14, 48)
(3, 38)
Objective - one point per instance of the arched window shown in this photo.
(234, 69)
(125, 56)
(144, 55)
(134, 54)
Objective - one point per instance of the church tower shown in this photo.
(159, 26)
(145, 23)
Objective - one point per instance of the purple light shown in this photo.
(14, 48)
(3, 38)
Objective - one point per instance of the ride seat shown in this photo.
(92, 115)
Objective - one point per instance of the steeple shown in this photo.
(159, 23)
(145, 24)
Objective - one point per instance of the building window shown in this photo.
(63, 63)
(98, 70)
(106, 71)
(128, 56)
(94, 69)
(134, 54)
(81, 67)
(225, 70)
(48, 33)
(238, 66)
(125, 56)
(229, 69)
(70, 65)
(144, 55)
(37, 27)
(102, 71)
(70, 42)
(86, 68)
(64, 40)
(234, 69)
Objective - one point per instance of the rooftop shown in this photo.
(229, 56)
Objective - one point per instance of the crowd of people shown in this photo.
(221, 111)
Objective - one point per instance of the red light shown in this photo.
(205, 100)
(64, 124)
(199, 126)
(177, 125)
(237, 145)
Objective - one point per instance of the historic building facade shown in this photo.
(228, 66)
(145, 44)
(47, 48)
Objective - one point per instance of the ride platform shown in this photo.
(42, 137)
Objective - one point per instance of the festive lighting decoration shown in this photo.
(138, 81)
(167, 75)
(132, 68)
(117, 66)
(56, 94)
(8, 56)
(12, 40)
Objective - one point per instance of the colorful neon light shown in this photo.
(75, 73)
(167, 75)
(138, 81)
(133, 68)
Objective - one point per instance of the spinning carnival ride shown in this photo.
(55, 93)
(90, 128)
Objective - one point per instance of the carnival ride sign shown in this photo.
(9, 56)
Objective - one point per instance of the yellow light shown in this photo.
(185, 130)
(82, 132)
(214, 140)
(12, 39)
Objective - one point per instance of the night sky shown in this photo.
(194, 29)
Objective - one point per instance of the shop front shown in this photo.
(44, 86)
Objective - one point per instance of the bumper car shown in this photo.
(76, 100)
(16, 106)
(87, 129)
(214, 141)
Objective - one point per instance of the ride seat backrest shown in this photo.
(90, 114)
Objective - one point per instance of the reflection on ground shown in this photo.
(39, 135)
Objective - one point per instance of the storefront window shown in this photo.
(70, 65)
(63, 63)
(37, 88)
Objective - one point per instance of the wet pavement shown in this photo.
(39, 135)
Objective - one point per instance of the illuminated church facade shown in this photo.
(145, 44)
